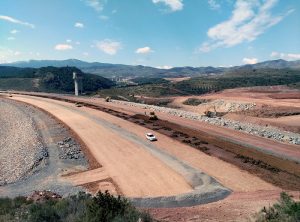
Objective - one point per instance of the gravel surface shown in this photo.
(21, 148)
(205, 188)
(20, 121)
(267, 132)
(69, 149)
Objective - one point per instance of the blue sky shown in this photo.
(159, 33)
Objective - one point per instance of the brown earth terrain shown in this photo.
(255, 175)
(277, 106)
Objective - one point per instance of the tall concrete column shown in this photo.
(75, 83)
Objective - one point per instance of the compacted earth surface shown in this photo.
(35, 150)
(270, 111)
(252, 170)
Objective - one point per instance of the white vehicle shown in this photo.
(150, 137)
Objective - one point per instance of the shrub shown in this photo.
(195, 101)
(286, 210)
(82, 207)
(153, 117)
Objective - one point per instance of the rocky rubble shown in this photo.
(21, 149)
(42, 196)
(230, 106)
(267, 132)
(69, 149)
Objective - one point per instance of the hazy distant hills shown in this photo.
(111, 70)
(276, 64)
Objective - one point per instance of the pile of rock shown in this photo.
(69, 149)
(42, 196)
(21, 147)
(231, 106)
(267, 132)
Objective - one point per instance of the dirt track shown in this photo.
(262, 144)
(238, 207)
(112, 151)
(216, 168)
(241, 182)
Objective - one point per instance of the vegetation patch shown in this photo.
(286, 210)
(144, 80)
(81, 207)
(195, 101)
(49, 79)
(243, 77)
(257, 163)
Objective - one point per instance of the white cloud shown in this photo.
(275, 54)
(164, 67)
(109, 46)
(68, 40)
(16, 21)
(103, 17)
(96, 4)
(286, 56)
(214, 5)
(144, 50)
(250, 61)
(10, 38)
(78, 25)
(37, 54)
(85, 54)
(249, 19)
(174, 5)
(14, 31)
(77, 43)
(62, 47)
(8, 55)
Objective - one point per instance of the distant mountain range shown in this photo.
(118, 70)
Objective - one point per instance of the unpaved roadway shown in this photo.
(143, 174)
(134, 170)
(269, 146)
(149, 175)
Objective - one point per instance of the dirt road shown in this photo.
(269, 146)
(105, 135)
(229, 175)
(121, 158)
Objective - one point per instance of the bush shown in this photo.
(286, 210)
(153, 117)
(82, 207)
(195, 101)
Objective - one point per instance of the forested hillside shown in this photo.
(243, 77)
(49, 79)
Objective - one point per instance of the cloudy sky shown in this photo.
(159, 33)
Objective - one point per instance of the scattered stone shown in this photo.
(42, 196)
(262, 131)
(21, 148)
(69, 149)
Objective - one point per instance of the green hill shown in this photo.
(242, 77)
(49, 79)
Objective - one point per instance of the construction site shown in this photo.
(198, 163)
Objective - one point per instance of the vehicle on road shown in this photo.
(150, 137)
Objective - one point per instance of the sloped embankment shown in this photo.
(21, 149)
